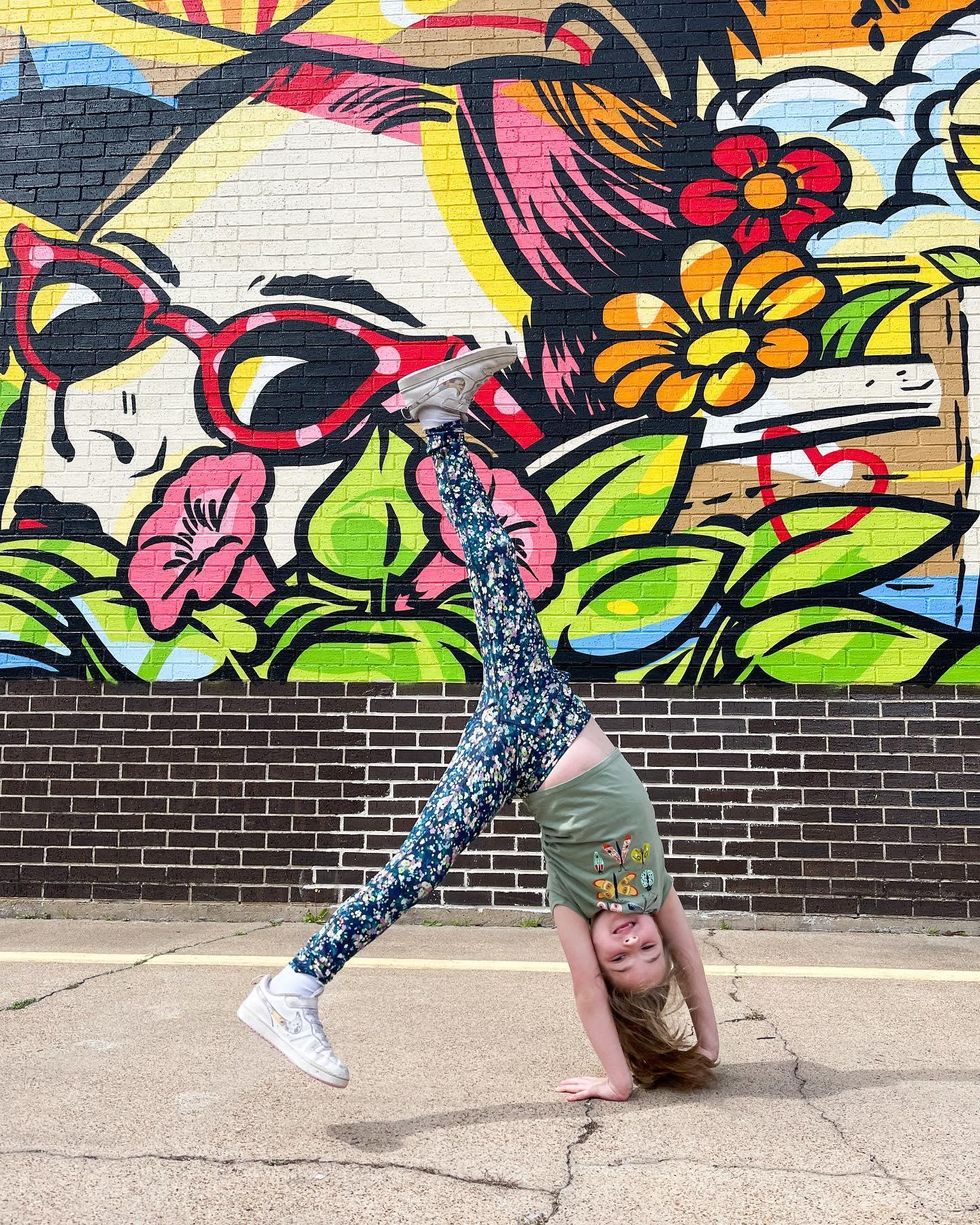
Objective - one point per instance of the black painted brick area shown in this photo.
(806, 802)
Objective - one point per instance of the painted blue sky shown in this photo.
(75, 63)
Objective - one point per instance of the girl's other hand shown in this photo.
(580, 1088)
(710, 1053)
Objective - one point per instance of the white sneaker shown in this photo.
(451, 385)
(292, 1024)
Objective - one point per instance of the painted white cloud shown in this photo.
(878, 128)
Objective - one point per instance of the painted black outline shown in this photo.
(608, 664)
(958, 521)
(955, 639)
(278, 667)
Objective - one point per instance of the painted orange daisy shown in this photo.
(740, 325)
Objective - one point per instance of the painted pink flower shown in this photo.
(520, 514)
(196, 542)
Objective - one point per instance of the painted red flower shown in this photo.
(197, 542)
(520, 514)
(767, 192)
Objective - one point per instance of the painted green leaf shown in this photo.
(27, 620)
(367, 524)
(52, 564)
(960, 264)
(966, 670)
(836, 646)
(295, 615)
(213, 639)
(845, 333)
(632, 598)
(368, 649)
(9, 392)
(622, 490)
(866, 548)
(671, 670)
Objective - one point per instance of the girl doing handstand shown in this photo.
(621, 925)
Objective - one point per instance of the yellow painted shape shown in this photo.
(449, 181)
(241, 380)
(492, 966)
(969, 141)
(893, 335)
(58, 21)
(636, 527)
(935, 476)
(662, 469)
(623, 608)
(363, 19)
(228, 145)
(969, 181)
(45, 303)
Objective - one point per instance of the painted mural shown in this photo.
(741, 252)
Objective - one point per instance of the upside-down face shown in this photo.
(629, 949)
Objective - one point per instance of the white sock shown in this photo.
(289, 982)
(430, 416)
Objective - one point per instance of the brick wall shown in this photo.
(802, 802)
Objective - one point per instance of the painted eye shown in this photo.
(57, 298)
(80, 327)
(288, 374)
(256, 375)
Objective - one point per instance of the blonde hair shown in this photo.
(655, 1046)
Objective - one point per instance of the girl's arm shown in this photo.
(677, 935)
(592, 1006)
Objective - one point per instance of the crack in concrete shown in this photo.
(272, 1162)
(877, 1168)
(589, 1126)
(20, 1005)
(762, 1169)
(722, 956)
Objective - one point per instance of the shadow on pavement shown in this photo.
(747, 1079)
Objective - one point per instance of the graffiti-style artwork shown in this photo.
(741, 252)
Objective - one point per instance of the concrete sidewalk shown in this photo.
(132, 1094)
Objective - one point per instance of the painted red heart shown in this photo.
(821, 463)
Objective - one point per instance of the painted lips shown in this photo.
(37, 510)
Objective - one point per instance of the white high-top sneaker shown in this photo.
(451, 385)
(292, 1024)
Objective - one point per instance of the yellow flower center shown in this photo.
(766, 191)
(712, 348)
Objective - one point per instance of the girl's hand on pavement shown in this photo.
(580, 1088)
(711, 1054)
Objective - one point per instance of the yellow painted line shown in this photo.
(106, 959)
(898, 973)
(259, 961)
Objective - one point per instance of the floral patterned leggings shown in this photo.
(526, 718)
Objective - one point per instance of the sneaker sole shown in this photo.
(258, 1025)
(473, 357)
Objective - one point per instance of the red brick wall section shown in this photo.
(791, 802)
